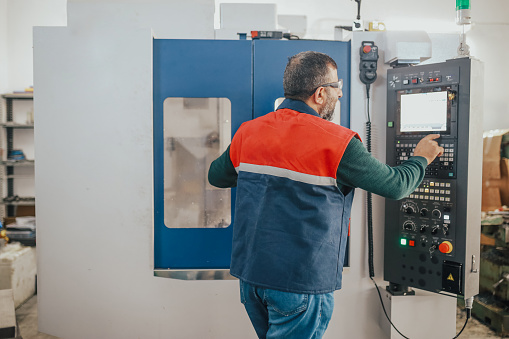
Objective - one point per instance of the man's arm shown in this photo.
(222, 173)
(358, 168)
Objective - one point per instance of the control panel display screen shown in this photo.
(424, 112)
(421, 111)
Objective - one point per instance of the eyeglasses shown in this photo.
(338, 84)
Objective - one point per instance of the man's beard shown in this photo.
(327, 111)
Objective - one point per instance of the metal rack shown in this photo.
(10, 202)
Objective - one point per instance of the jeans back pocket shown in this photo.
(286, 303)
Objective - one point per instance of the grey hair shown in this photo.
(305, 72)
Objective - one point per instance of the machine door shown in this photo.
(202, 94)
(203, 91)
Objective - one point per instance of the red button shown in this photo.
(366, 49)
(411, 243)
(445, 247)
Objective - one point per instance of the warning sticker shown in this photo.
(450, 277)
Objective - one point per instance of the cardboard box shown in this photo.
(495, 192)
(21, 211)
(25, 211)
(495, 181)
(492, 148)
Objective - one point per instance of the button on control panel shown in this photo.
(441, 167)
(428, 218)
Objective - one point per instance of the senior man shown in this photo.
(295, 173)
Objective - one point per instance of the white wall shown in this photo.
(485, 41)
(17, 18)
(21, 16)
(3, 47)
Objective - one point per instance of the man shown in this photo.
(295, 173)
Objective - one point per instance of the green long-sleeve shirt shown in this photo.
(358, 168)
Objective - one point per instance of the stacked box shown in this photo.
(18, 271)
(495, 190)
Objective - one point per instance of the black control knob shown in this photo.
(409, 226)
(436, 213)
(435, 229)
(424, 212)
(409, 207)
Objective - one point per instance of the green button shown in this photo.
(390, 124)
(403, 241)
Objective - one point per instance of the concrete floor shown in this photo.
(475, 329)
(26, 315)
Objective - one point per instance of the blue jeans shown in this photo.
(276, 314)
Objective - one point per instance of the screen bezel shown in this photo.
(429, 89)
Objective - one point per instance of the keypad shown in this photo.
(441, 167)
(433, 191)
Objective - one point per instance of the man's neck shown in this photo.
(311, 103)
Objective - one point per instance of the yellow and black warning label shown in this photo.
(451, 277)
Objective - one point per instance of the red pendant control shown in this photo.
(445, 247)
(366, 49)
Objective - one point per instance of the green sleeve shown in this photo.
(222, 173)
(358, 168)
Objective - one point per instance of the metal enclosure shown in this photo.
(191, 239)
(432, 237)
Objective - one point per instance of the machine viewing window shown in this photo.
(424, 110)
(196, 131)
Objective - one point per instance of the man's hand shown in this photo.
(429, 148)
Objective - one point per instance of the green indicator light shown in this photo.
(390, 124)
(403, 241)
(462, 4)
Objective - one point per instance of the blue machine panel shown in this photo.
(250, 75)
(196, 69)
(270, 59)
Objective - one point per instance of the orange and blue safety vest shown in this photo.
(291, 220)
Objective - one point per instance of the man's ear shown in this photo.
(319, 96)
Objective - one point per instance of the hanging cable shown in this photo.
(369, 201)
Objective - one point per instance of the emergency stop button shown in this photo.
(366, 49)
(445, 247)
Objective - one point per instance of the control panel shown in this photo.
(368, 62)
(432, 235)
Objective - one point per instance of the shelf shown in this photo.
(26, 96)
(15, 160)
(18, 163)
(23, 201)
(19, 177)
(18, 203)
(16, 125)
